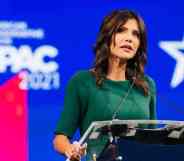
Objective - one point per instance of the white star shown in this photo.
(173, 49)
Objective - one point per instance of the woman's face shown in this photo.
(126, 40)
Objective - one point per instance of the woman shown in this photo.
(116, 88)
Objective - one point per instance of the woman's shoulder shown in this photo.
(151, 82)
(149, 79)
(82, 77)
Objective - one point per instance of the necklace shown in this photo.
(122, 100)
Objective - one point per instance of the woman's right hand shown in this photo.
(75, 151)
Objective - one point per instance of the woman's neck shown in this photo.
(116, 69)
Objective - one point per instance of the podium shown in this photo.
(136, 140)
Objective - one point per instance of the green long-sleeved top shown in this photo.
(85, 102)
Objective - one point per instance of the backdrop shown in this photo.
(43, 43)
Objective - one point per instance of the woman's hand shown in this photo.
(75, 151)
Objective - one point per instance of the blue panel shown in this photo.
(71, 27)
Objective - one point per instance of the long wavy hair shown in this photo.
(135, 66)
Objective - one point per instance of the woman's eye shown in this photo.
(120, 30)
(136, 33)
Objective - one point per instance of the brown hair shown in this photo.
(135, 66)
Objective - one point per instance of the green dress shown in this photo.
(85, 102)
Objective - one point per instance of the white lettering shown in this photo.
(42, 52)
(24, 58)
(8, 55)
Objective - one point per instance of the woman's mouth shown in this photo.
(127, 48)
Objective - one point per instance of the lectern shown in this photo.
(137, 140)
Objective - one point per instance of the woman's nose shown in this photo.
(128, 40)
(128, 37)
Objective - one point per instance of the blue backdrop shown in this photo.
(53, 39)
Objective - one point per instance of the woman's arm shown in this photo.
(72, 151)
(62, 144)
